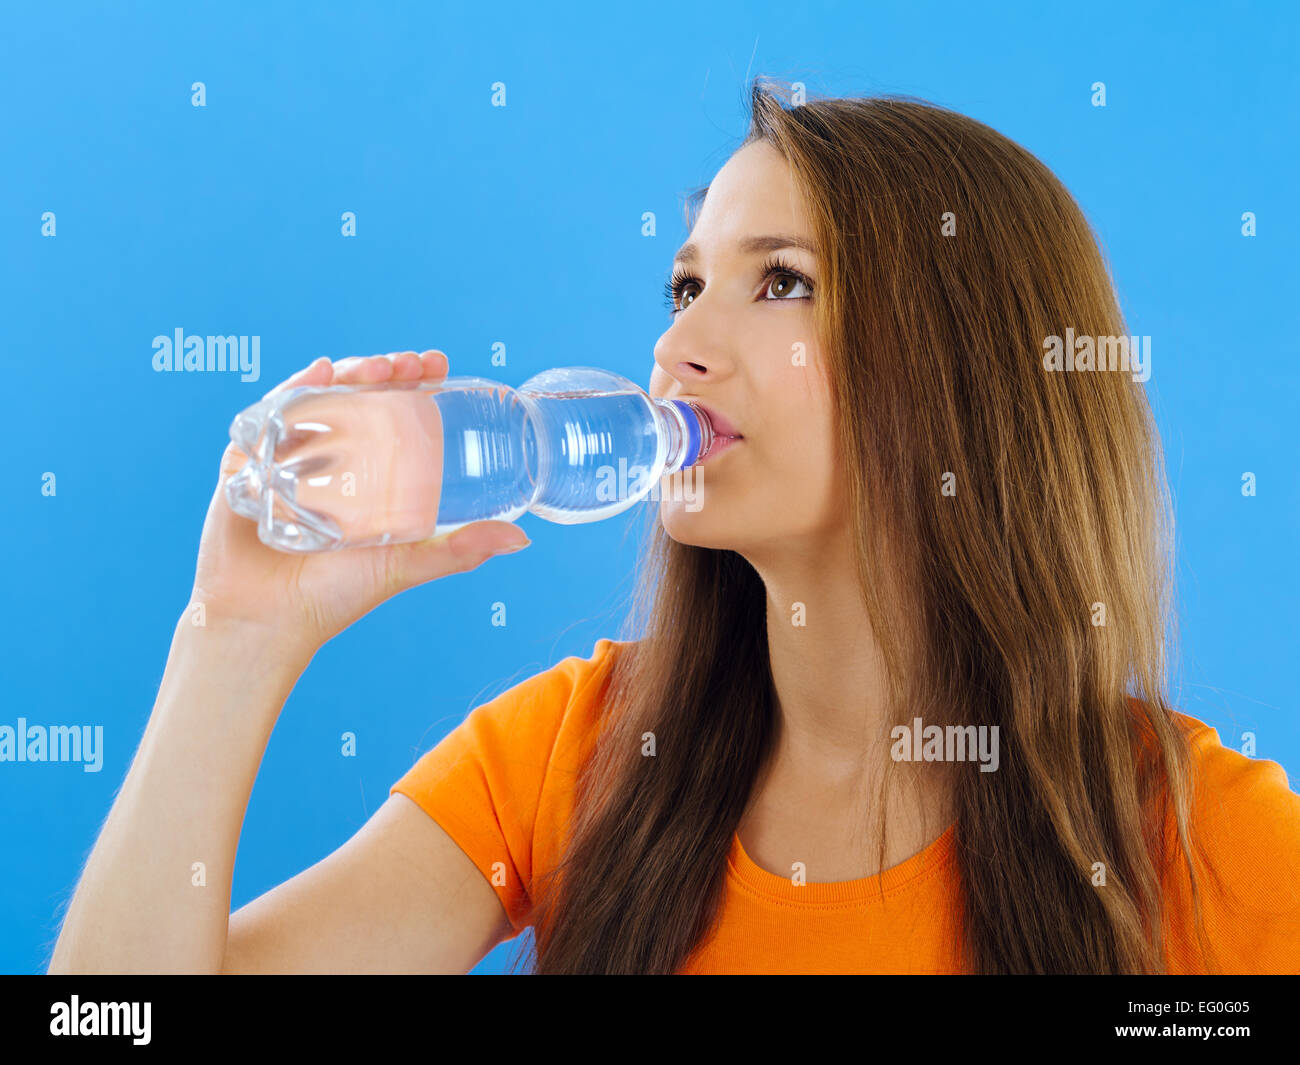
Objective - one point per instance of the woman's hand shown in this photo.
(309, 598)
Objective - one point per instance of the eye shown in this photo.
(680, 291)
(783, 284)
(784, 281)
(686, 293)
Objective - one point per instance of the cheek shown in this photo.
(806, 449)
(801, 405)
(808, 464)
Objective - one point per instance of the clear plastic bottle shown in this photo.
(363, 465)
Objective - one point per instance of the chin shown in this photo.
(698, 527)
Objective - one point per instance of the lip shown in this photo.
(722, 426)
(719, 445)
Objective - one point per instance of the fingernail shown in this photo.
(512, 547)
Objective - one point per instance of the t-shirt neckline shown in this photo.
(926, 862)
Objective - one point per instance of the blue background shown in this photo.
(522, 225)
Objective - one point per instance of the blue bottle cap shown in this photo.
(693, 436)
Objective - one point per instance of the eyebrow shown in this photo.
(689, 252)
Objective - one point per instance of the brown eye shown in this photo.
(687, 294)
(783, 284)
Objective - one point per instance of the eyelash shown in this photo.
(774, 266)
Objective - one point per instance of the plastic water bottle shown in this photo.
(344, 466)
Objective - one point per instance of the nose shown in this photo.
(690, 355)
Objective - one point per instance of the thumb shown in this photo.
(455, 552)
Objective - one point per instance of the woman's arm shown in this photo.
(399, 896)
(155, 893)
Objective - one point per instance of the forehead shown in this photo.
(755, 192)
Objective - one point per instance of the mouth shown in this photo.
(719, 445)
(719, 422)
(720, 432)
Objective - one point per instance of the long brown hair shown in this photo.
(948, 254)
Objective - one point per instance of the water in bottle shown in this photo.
(361, 465)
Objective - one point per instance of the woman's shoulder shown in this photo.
(1224, 778)
(1246, 812)
(575, 682)
(516, 735)
(1246, 828)
(499, 782)
(1228, 782)
(564, 700)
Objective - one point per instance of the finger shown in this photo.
(435, 364)
(232, 461)
(316, 373)
(406, 366)
(358, 370)
(454, 552)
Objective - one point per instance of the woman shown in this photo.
(921, 530)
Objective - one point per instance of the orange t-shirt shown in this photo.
(501, 785)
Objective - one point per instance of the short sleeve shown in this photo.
(486, 781)
(1248, 821)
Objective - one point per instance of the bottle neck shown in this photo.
(688, 431)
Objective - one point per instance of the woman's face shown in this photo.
(742, 343)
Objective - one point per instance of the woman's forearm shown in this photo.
(155, 893)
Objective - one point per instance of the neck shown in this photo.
(826, 663)
(829, 677)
